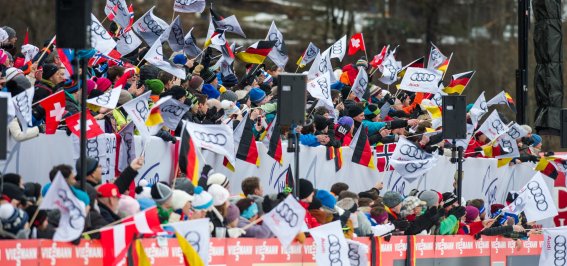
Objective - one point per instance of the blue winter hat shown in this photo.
(536, 140)
(257, 95)
(180, 59)
(326, 198)
(469, 107)
(210, 91)
(337, 86)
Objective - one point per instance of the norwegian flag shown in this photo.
(54, 107)
(99, 58)
(74, 124)
(383, 154)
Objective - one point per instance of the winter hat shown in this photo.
(362, 62)
(379, 216)
(371, 111)
(469, 107)
(196, 83)
(232, 213)
(177, 92)
(70, 86)
(242, 95)
(161, 193)
(12, 191)
(12, 72)
(536, 140)
(229, 80)
(143, 191)
(19, 81)
(305, 188)
(471, 214)
(11, 32)
(6, 211)
(108, 190)
(326, 198)
(155, 85)
(219, 179)
(347, 204)
(124, 97)
(374, 90)
(354, 111)
(320, 122)
(257, 95)
(431, 198)
(49, 70)
(346, 121)
(179, 199)
(91, 85)
(103, 84)
(315, 204)
(527, 128)
(148, 72)
(208, 76)
(229, 96)
(183, 183)
(210, 91)
(392, 199)
(496, 207)
(449, 198)
(220, 194)
(180, 59)
(412, 202)
(247, 208)
(128, 206)
(92, 164)
(202, 200)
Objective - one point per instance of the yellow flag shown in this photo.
(143, 259)
(190, 255)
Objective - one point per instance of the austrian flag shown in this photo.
(54, 107)
(356, 44)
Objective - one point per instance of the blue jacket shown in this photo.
(373, 127)
(81, 195)
(309, 140)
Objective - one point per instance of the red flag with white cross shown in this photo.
(93, 129)
(356, 44)
(54, 107)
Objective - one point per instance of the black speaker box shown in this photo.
(454, 117)
(73, 23)
(291, 99)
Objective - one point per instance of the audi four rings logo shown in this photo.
(173, 109)
(559, 249)
(393, 71)
(334, 250)
(99, 30)
(194, 238)
(226, 27)
(104, 99)
(483, 106)
(324, 87)
(142, 109)
(218, 139)
(76, 217)
(178, 34)
(423, 77)
(412, 151)
(513, 133)
(497, 124)
(127, 38)
(413, 167)
(152, 25)
(92, 148)
(507, 146)
(539, 198)
(274, 36)
(323, 65)
(311, 52)
(22, 103)
(353, 255)
(185, 2)
(337, 48)
(363, 83)
(287, 213)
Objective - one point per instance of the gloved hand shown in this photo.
(458, 212)
(165, 136)
(235, 232)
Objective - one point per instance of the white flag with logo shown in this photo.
(493, 126)
(23, 105)
(436, 58)
(320, 88)
(500, 98)
(189, 6)
(138, 110)
(320, 66)
(197, 234)
(411, 161)
(128, 42)
(100, 38)
(286, 220)
(216, 138)
(309, 55)
(149, 27)
(534, 200)
(509, 147)
(278, 55)
(339, 48)
(479, 109)
(190, 45)
(127, 147)
(172, 112)
(154, 56)
(360, 84)
(174, 35)
(516, 131)
(390, 69)
(119, 10)
(60, 197)
(29, 51)
(109, 99)
(357, 253)
(330, 243)
(554, 248)
(421, 80)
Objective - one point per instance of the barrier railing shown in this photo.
(423, 250)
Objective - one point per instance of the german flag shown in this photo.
(137, 255)
(443, 67)
(510, 102)
(188, 158)
(338, 159)
(330, 154)
(419, 63)
(289, 181)
(275, 146)
(190, 255)
(154, 118)
(361, 151)
(257, 52)
(226, 163)
(491, 151)
(459, 82)
(546, 167)
(247, 150)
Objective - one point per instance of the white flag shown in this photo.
(216, 138)
(23, 105)
(286, 220)
(269, 132)
(554, 248)
(174, 35)
(279, 54)
(189, 6)
(109, 99)
(516, 131)
(190, 45)
(331, 245)
(100, 38)
(197, 234)
(493, 126)
(138, 110)
(411, 161)
(60, 197)
(357, 253)
(309, 55)
(230, 24)
(320, 88)
(508, 146)
(534, 200)
(149, 27)
(320, 66)
(29, 51)
(127, 147)
(172, 112)
(154, 56)
(390, 69)
(119, 10)
(436, 58)
(128, 42)
(421, 80)
(339, 48)
(360, 84)
(479, 109)
(500, 98)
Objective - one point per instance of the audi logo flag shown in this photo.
(278, 54)
(149, 27)
(128, 42)
(174, 35)
(360, 84)
(330, 243)
(479, 109)
(554, 249)
(534, 200)
(339, 48)
(109, 99)
(190, 47)
(100, 38)
(411, 161)
(320, 66)
(154, 56)
(23, 105)
(196, 232)
(357, 253)
(421, 80)
(216, 138)
(286, 220)
(189, 6)
(308, 55)
(172, 111)
(138, 110)
(390, 68)
(493, 126)
(118, 11)
(320, 88)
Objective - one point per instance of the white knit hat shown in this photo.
(220, 194)
(219, 179)
(202, 200)
(179, 199)
(12, 73)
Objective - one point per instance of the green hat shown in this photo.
(155, 85)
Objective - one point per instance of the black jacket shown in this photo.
(108, 214)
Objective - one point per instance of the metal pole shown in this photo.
(296, 170)
(522, 71)
(83, 121)
(460, 174)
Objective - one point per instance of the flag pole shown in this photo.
(297, 69)
(365, 54)
(46, 48)
(173, 16)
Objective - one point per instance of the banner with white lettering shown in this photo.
(150, 27)
(23, 105)
(421, 80)
(331, 245)
(100, 38)
(286, 220)
(534, 200)
(197, 234)
(554, 249)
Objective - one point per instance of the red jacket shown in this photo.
(471, 149)
(344, 139)
(309, 219)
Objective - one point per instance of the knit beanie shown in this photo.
(103, 84)
(257, 95)
(430, 197)
(183, 183)
(362, 62)
(180, 59)
(208, 76)
(148, 72)
(536, 140)
(320, 122)
(232, 213)
(305, 188)
(179, 199)
(354, 111)
(229, 96)
(202, 200)
(70, 86)
(11, 32)
(449, 198)
(155, 85)
(326, 198)
(91, 85)
(124, 97)
(161, 193)
(128, 206)
(220, 194)
(210, 91)
(229, 80)
(196, 83)
(219, 179)
(392, 199)
(12, 72)
(92, 164)
(411, 203)
(471, 214)
(49, 70)
(371, 111)
(347, 204)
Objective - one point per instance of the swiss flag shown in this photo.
(356, 44)
(115, 242)
(54, 107)
(74, 124)
(379, 58)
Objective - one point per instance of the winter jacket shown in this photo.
(71, 105)
(255, 231)
(18, 134)
(449, 225)
(310, 221)
(108, 214)
(309, 140)
(364, 228)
